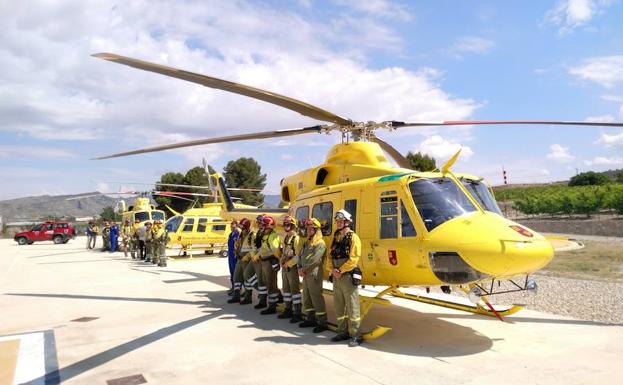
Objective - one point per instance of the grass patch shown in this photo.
(597, 260)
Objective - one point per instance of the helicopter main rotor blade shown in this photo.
(395, 154)
(396, 124)
(223, 139)
(241, 89)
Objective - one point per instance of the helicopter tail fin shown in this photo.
(228, 203)
(446, 167)
(173, 211)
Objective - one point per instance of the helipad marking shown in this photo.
(35, 357)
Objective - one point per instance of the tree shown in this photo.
(589, 178)
(619, 178)
(421, 162)
(245, 173)
(178, 205)
(108, 214)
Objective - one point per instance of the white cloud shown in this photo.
(102, 187)
(600, 119)
(75, 96)
(615, 140)
(559, 154)
(571, 14)
(40, 152)
(471, 45)
(604, 161)
(606, 71)
(286, 157)
(381, 8)
(613, 98)
(442, 149)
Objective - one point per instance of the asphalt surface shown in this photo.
(172, 325)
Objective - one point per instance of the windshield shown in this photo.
(157, 215)
(480, 192)
(438, 200)
(142, 216)
(174, 223)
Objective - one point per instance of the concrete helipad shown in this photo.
(89, 317)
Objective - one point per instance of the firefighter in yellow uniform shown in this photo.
(126, 238)
(269, 250)
(346, 275)
(290, 249)
(311, 269)
(148, 242)
(243, 247)
(253, 271)
(159, 242)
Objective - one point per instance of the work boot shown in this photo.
(235, 298)
(320, 328)
(262, 304)
(340, 337)
(355, 341)
(248, 294)
(272, 309)
(310, 322)
(287, 313)
(230, 291)
(296, 313)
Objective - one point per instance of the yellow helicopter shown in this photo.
(426, 229)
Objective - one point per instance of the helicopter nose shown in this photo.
(489, 244)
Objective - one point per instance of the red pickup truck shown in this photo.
(58, 232)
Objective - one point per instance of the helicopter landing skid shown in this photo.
(365, 304)
(477, 309)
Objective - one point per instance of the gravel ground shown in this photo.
(588, 300)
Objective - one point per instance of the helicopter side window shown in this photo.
(188, 224)
(174, 223)
(406, 225)
(157, 215)
(480, 192)
(438, 200)
(142, 216)
(389, 216)
(324, 213)
(201, 225)
(302, 213)
(351, 206)
(219, 227)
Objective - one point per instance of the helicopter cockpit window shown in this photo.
(157, 215)
(480, 192)
(324, 213)
(174, 223)
(201, 225)
(438, 200)
(188, 224)
(389, 216)
(141, 216)
(406, 225)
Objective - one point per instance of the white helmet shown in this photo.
(343, 215)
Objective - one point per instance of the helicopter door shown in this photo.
(384, 250)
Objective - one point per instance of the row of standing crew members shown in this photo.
(260, 255)
(146, 242)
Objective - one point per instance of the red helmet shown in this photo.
(245, 223)
(268, 221)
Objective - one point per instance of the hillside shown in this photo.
(39, 207)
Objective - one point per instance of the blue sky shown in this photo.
(372, 60)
